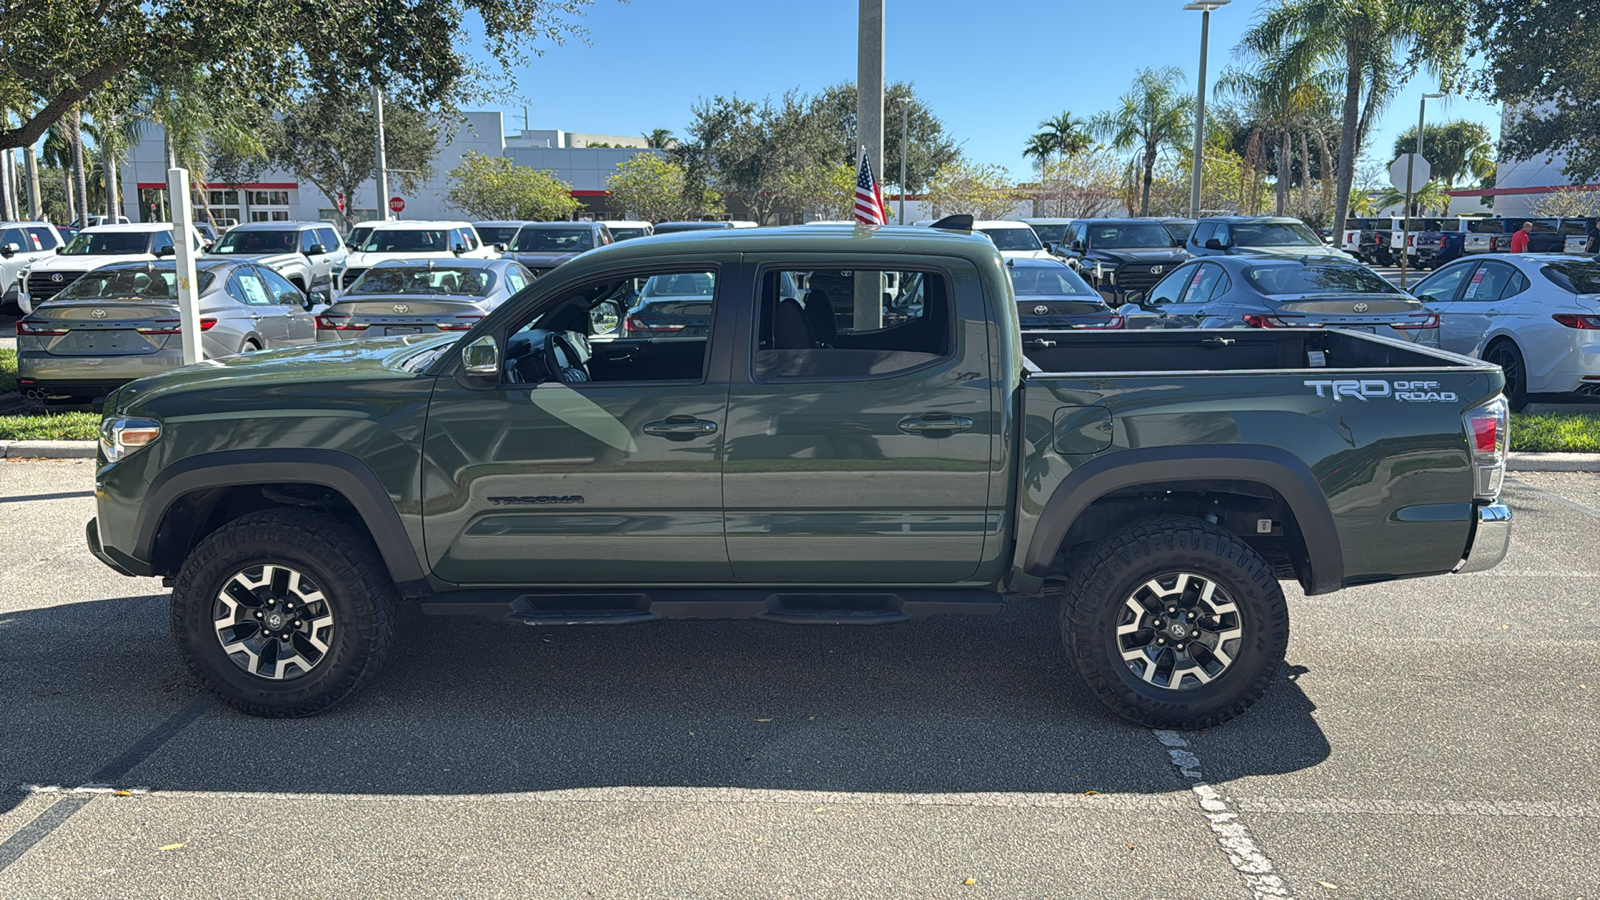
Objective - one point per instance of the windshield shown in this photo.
(1578, 276)
(257, 242)
(108, 243)
(622, 234)
(554, 240)
(1273, 234)
(1296, 279)
(1049, 281)
(692, 284)
(406, 240)
(497, 234)
(452, 280)
(1051, 234)
(1013, 238)
(358, 236)
(129, 284)
(1129, 236)
(1180, 231)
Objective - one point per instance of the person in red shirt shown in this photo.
(1519, 241)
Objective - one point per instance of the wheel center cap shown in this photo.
(275, 620)
(1177, 630)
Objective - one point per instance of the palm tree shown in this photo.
(659, 138)
(1456, 150)
(1366, 39)
(1154, 114)
(197, 127)
(1289, 104)
(1039, 148)
(1427, 198)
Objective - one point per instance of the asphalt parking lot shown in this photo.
(1431, 738)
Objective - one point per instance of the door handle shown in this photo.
(935, 424)
(680, 428)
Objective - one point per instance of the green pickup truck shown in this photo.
(837, 426)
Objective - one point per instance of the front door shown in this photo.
(552, 479)
(270, 317)
(861, 455)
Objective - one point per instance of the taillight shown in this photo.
(1586, 323)
(1105, 323)
(1428, 321)
(1260, 321)
(338, 323)
(633, 324)
(26, 327)
(1487, 442)
(172, 326)
(464, 325)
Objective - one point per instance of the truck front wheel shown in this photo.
(284, 612)
(1175, 623)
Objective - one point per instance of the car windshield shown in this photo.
(692, 284)
(622, 234)
(1129, 236)
(554, 240)
(1273, 234)
(108, 243)
(1013, 238)
(1051, 281)
(257, 242)
(1180, 231)
(129, 284)
(1298, 279)
(1577, 276)
(407, 240)
(358, 236)
(1051, 234)
(497, 234)
(451, 280)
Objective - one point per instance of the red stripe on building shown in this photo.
(1542, 189)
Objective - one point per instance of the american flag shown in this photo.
(869, 200)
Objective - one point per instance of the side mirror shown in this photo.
(1077, 246)
(60, 250)
(1214, 244)
(500, 248)
(481, 357)
(316, 250)
(166, 251)
(460, 249)
(10, 250)
(1050, 248)
(1133, 298)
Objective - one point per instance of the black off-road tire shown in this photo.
(342, 563)
(1100, 588)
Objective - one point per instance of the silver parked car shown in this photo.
(421, 297)
(1535, 315)
(120, 322)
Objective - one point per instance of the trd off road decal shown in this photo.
(1370, 388)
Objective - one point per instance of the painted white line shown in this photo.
(1499, 809)
(1246, 857)
(1570, 504)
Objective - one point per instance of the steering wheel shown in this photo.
(563, 361)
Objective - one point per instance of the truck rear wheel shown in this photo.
(1175, 623)
(284, 612)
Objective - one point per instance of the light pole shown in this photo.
(383, 161)
(1205, 7)
(905, 120)
(1405, 232)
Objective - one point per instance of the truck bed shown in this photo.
(1224, 350)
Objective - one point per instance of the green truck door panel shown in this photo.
(588, 484)
(856, 481)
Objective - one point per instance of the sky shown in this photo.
(990, 70)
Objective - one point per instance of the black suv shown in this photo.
(1259, 236)
(1118, 256)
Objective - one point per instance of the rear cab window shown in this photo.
(807, 328)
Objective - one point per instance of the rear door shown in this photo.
(300, 326)
(861, 456)
(1463, 319)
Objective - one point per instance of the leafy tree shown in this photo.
(1431, 197)
(1542, 63)
(328, 140)
(1059, 136)
(494, 187)
(1080, 186)
(658, 138)
(982, 190)
(655, 188)
(1153, 115)
(1377, 44)
(750, 150)
(1568, 202)
(821, 191)
(1456, 150)
(930, 147)
(1280, 104)
(264, 50)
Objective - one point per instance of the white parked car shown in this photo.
(1535, 315)
(371, 243)
(96, 246)
(1014, 240)
(21, 245)
(1050, 231)
(623, 229)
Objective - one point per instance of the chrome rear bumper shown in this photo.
(1491, 538)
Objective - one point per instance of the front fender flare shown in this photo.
(1272, 467)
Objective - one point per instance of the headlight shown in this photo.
(121, 435)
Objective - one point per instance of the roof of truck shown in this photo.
(806, 239)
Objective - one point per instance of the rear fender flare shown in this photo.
(328, 468)
(1272, 467)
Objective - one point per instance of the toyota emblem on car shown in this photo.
(56, 278)
(97, 313)
(401, 308)
(1360, 307)
(1156, 270)
(1040, 310)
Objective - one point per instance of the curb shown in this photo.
(48, 449)
(1553, 462)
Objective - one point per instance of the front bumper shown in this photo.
(1491, 538)
(112, 558)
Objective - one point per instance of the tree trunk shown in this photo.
(1347, 138)
(1285, 152)
(80, 176)
(30, 161)
(8, 185)
(1305, 173)
(108, 172)
(1327, 176)
(72, 199)
(1149, 176)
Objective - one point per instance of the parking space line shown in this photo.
(1570, 504)
(1498, 809)
(1246, 857)
(60, 811)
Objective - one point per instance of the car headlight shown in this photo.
(122, 435)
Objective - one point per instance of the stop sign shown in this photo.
(396, 204)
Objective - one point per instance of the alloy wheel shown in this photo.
(273, 622)
(1178, 631)
(1506, 358)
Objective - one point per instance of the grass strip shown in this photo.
(1555, 432)
(63, 426)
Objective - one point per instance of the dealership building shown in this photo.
(277, 195)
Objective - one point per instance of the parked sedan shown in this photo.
(1277, 292)
(541, 246)
(120, 322)
(1535, 315)
(671, 305)
(1052, 296)
(421, 297)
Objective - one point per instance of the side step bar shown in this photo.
(612, 607)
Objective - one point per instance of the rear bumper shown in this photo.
(1491, 538)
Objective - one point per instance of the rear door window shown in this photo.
(1209, 280)
(807, 329)
(1441, 287)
